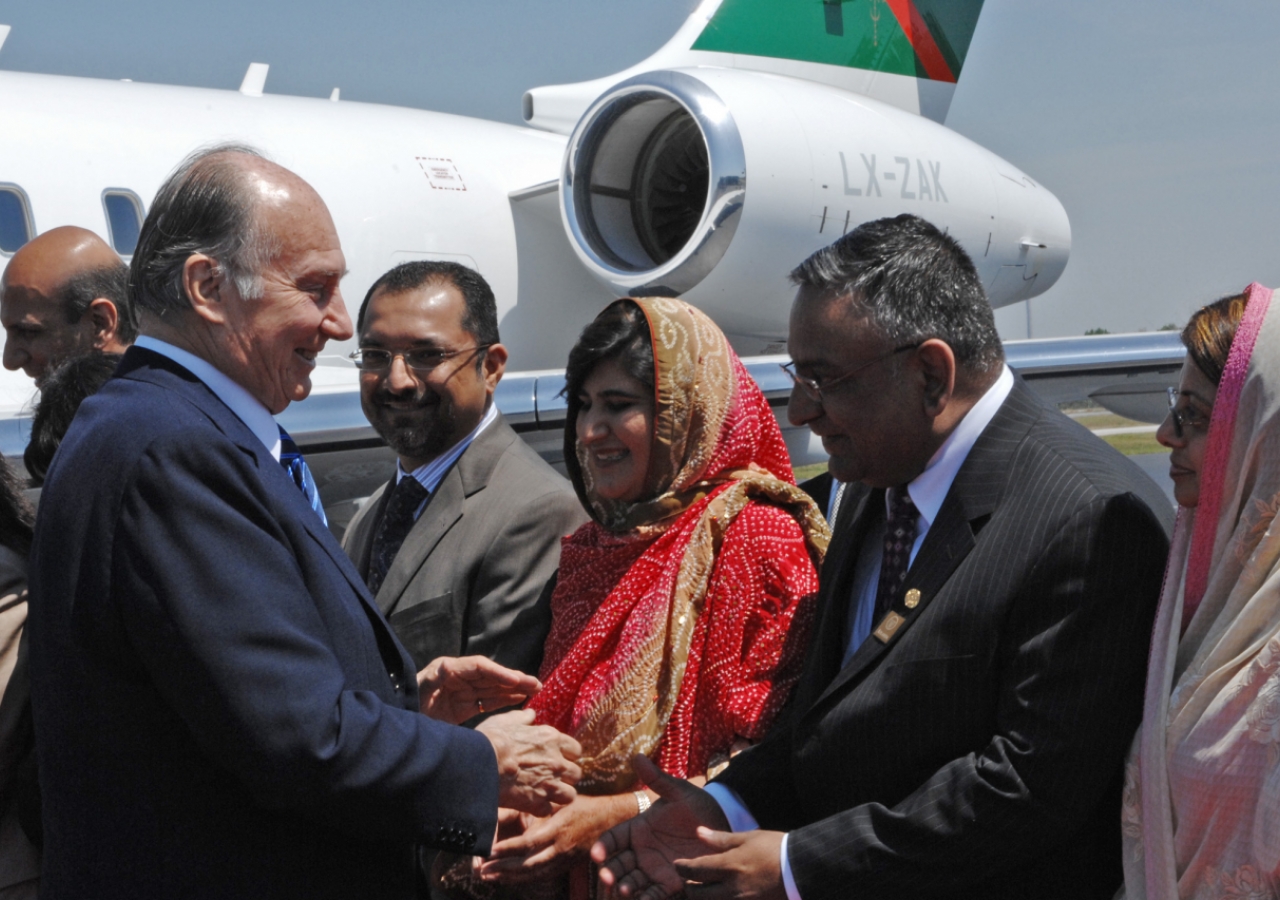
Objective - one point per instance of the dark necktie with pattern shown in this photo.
(899, 535)
(397, 520)
(293, 463)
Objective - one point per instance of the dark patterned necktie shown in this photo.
(899, 535)
(397, 520)
(293, 463)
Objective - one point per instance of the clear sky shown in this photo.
(1156, 122)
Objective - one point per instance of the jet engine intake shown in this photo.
(653, 183)
(654, 189)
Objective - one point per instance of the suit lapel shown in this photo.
(471, 473)
(146, 365)
(476, 465)
(361, 541)
(852, 524)
(444, 508)
(948, 542)
(973, 497)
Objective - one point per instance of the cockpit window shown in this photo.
(124, 219)
(15, 218)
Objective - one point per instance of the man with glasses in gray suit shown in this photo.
(459, 545)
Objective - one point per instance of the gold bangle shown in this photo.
(642, 802)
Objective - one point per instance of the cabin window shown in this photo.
(15, 218)
(124, 219)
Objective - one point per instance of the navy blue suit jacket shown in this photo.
(220, 708)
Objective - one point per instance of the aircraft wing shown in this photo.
(1126, 373)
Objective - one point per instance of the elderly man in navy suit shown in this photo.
(221, 710)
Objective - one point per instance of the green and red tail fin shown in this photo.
(908, 53)
(926, 39)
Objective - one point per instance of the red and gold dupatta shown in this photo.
(633, 582)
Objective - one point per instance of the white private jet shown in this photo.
(759, 133)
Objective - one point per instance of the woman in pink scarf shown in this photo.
(1201, 811)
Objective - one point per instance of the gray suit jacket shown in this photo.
(470, 576)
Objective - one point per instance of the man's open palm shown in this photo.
(637, 858)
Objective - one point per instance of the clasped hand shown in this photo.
(532, 849)
(454, 689)
(537, 765)
(683, 843)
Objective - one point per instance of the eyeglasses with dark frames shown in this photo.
(1184, 418)
(373, 359)
(814, 387)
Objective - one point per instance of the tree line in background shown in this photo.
(1170, 326)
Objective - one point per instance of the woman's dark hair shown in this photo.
(16, 514)
(64, 390)
(1209, 334)
(621, 332)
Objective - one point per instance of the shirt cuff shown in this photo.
(740, 819)
(788, 880)
(733, 807)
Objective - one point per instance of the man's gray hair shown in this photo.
(205, 207)
(914, 283)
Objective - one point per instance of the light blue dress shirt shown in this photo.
(247, 408)
(430, 474)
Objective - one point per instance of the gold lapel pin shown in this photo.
(912, 598)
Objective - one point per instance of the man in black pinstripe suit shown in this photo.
(961, 726)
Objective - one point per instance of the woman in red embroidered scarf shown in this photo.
(1201, 810)
(682, 612)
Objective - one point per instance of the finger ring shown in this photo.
(480, 706)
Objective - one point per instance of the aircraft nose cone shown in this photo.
(1052, 228)
(1033, 239)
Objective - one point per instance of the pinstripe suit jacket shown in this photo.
(979, 751)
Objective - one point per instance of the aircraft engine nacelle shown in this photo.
(713, 183)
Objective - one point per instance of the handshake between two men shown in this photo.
(683, 843)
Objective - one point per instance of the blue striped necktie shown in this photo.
(296, 466)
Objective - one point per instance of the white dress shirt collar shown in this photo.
(930, 487)
(256, 417)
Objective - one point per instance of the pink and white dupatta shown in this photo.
(1201, 811)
